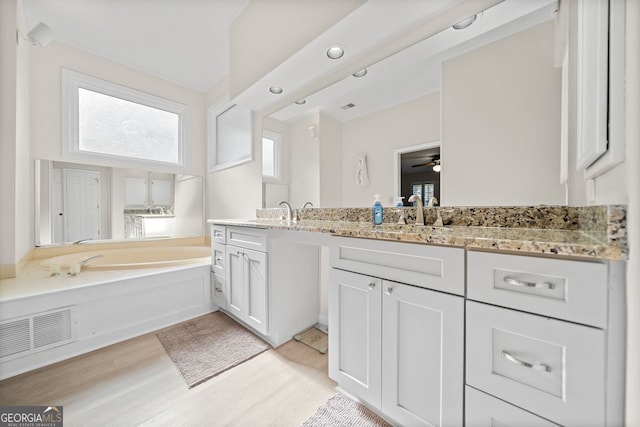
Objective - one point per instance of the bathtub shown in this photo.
(130, 258)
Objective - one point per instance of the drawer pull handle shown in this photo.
(218, 290)
(537, 366)
(388, 290)
(217, 234)
(538, 285)
(218, 260)
(372, 285)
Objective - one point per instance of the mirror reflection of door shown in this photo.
(420, 174)
(75, 205)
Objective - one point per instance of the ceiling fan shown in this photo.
(435, 160)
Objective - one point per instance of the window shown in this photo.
(103, 119)
(425, 190)
(271, 156)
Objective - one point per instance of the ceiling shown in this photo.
(183, 41)
(415, 71)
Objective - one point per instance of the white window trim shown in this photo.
(72, 81)
(277, 148)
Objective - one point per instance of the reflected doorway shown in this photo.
(417, 171)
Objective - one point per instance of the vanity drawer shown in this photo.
(569, 290)
(246, 237)
(434, 267)
(218, 234)
(218, 257)
(483, 410)
(552, 368)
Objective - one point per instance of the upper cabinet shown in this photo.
(600, 95)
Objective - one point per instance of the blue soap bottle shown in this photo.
(377, 210)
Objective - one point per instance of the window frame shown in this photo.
(277, 156)
(73, 81)
(213, 113)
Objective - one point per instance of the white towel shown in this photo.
(362, 175)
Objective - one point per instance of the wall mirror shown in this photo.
(78, 202)
(489, 92)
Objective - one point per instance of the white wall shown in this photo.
(189, 205)
(632, 137)
(377, 135)
(8, 72)
(268, 32)
(46, 101)
(305, 163)
(501, 123)
(16, 169)
(330, 148)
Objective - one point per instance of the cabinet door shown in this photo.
(255, 290)
(356, 329)
(235, 281)
(161, 192)
(423, 356)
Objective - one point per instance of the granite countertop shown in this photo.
(598, 232)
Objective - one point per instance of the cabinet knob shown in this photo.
(388, 290)
(218, 259)
(372, 285)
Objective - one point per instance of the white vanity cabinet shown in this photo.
(398, 346)
(544, 341)
(247, 291)
(269, 284)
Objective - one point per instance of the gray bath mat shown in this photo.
(209, 345)
(342, 411)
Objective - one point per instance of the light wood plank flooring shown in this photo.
(135, 383)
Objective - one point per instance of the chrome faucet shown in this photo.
(87, 260)
(74, 269)
(77, 242)
(307, 203)
(289, 210)
(419, 208)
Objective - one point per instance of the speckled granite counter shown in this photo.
(591, 232)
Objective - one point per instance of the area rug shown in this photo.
(209, 345)
(314, 338)
(342, 411)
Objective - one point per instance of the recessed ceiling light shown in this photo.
(335, 52)
(275, 90)
(360, 73)
(301, 101)
(348, 106)
(465, 23)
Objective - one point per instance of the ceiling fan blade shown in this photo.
(423, 164)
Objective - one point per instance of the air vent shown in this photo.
(52, 328)
(15, 337)
(37, 332)
(348, 106)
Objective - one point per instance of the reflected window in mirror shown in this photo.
(106, 120)
(271, 152)
(426, 191)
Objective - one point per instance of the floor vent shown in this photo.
(37, 332)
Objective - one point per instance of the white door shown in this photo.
(422, 356)
(81, 204)
(355, 338)
(256, 297)
(57, 207)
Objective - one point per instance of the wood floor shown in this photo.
(135, 383)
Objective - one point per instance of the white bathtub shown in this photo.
(117, 259)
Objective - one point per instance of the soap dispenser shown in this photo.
(377, 210)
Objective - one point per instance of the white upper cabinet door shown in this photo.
(135, 191)
(422, 356)
(355, 340)
(161, 192)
